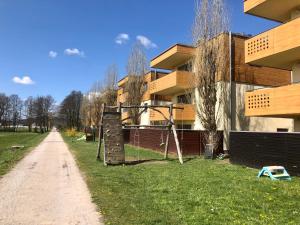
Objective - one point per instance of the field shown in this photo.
(8, 156)
(198, 192)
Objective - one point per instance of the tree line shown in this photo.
(34, 112)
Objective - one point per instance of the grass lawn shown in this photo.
(198, 192)
(9, 157)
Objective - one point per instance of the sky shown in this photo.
(56, 46)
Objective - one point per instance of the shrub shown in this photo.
(71, 133)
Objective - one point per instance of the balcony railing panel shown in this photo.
(187, 114)
(278, 48)
(274, 102)
(175, 82)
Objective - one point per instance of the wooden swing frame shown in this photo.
(170, 124)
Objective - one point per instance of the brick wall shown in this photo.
(191, 141)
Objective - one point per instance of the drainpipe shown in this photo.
(230, 125)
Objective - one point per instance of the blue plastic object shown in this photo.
(275, 173)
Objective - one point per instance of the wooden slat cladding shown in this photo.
(266, 149)
(191, 141)
(173, 57)
(277, 102)
(264, 76)
(187, 114)
(175, 82)
(278, 47)
(277, 10)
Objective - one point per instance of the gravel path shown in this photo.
(46, 188)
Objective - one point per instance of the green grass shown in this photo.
(9, 157)
(198, 192)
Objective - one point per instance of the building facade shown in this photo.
(277, 48)
(175, 85)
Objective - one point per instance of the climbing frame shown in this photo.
(113, 138)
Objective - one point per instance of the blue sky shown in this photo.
(82, 36)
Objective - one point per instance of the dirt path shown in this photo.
(46, 188)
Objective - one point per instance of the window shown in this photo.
(282, 130)
(184, 99)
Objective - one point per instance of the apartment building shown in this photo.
(277, 48)
(240, 78)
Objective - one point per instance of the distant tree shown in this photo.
(4, 106)
(29, 112)
(136, 69)
(48, 111)
(101, 92)
(16, 105)
(42, 112)
(70, 110)
(109, 93)
(86, 111)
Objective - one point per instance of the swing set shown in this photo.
(117, 146)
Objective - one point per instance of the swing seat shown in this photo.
(274, 173)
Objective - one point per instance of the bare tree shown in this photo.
(136, 69)
(4, 105)
(70, 110)
(110, 86)
(29, 112)
(48, 111)
(210, 65)
(16, 105)
(86, 111)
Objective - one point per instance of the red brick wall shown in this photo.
(191, 141)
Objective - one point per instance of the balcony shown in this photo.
(172, 83)
(278, 48)
(271, 9)
(175, 56)
(274, 102)
(187, 114)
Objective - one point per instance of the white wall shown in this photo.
(237, 120)
(145, 117)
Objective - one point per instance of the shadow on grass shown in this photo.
(152, 161)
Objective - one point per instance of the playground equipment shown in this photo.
(274, 172)
(111, 128)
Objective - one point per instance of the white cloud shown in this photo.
(26, 80)
(53, 54)
(122, 38)
(146, 42)
(74, 52)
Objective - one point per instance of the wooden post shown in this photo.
(119, 107)
(100, 131)
(169, 131)
(177, 144)
(175, 136)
